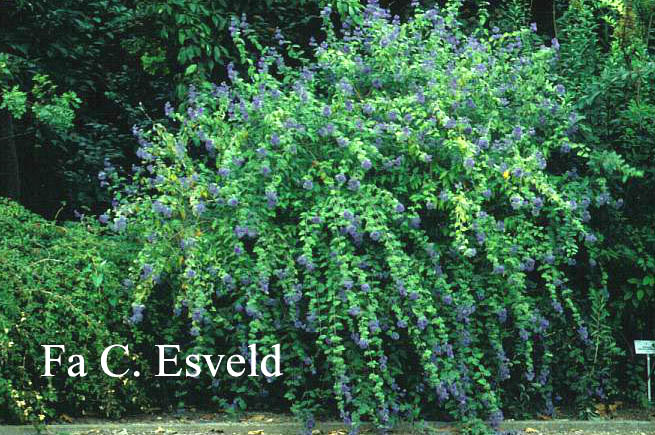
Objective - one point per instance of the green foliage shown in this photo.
(122, 60)
(515, 13)
(60, 285)
(270, 210)
(189, 40)
(15, 101)
(608, 67)
(50, 109)
(395, 214)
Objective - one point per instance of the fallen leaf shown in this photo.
(66, 418)
(600, 409)
(530, 430)
(614, 406)
(256, 417)
(160, 430)
(256, 432)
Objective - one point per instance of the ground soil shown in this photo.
(623, 422)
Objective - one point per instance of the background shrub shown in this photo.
(60, 285)
(612, 87)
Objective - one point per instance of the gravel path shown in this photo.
(268, 426)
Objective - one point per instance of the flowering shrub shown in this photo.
(401, 214)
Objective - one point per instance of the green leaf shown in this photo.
(191, 69)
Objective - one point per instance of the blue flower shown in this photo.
(327, 111)
(326, 11)
(528, 264)
(340, 178)
(366, 164)
(392, 115)
(354, 184)
(399, 208)
(120, 224)
(146, 271)
(499, 269)
(168, 109)
(444, 196)
(307, 184)
(198, 314)
(137, 314)
(517, 132)
(516, 202)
